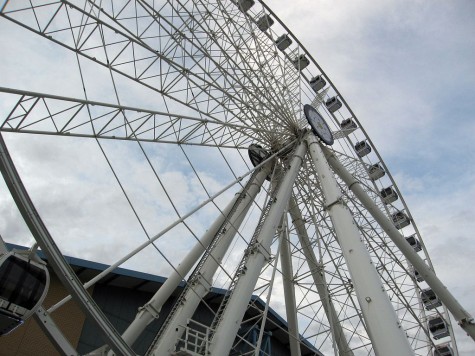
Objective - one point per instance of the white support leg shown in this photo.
(387, 336)
(228, 325)
(317, 273)
(289, 291)
(53, 333)
(258, 349)
(232, 217)
(464, 319)
(200, 286)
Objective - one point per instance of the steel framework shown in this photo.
(190, 85)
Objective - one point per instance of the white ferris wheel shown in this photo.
(243, 168)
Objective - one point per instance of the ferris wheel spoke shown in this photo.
(185, 36)
(235, 58)
(54, 115)
(269, 71)
(242, 88)
(230, 60)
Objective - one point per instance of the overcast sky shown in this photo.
(407, 70)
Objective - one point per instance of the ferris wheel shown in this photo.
(243, 168)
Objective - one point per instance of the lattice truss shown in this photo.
(207, 60)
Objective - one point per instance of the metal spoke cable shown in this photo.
(163, 187)
(245, 43)
(121, 186)
(182, 69)
(158, 235)
(110, 165)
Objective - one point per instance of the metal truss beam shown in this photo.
(186, 76)
(57, 115)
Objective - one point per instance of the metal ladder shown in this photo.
(253, 244)
(197, 271)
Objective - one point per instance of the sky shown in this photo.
(405, 68)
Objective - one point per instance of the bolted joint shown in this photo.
(150, 309)
(258, 248)
(263, 251)
(337, 201)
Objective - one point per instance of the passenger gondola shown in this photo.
(24, 283)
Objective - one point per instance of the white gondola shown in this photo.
(264, 22)
(438, 327)
(283, 42)
(317, 83)
(430, 299)
(362, 148)
(443, 350)
(389, 195)
(23, 286)
(300, 62)
(375, 171)
(400, 219)
(414, 242)
(245, 5)
(333, 104)
(348, 124)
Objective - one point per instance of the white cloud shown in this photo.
(406, 69)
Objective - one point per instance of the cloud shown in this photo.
(446, 224)
(406, 69)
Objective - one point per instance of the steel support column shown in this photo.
(464, 319)
(316, 269)
(202, 277)
(387, 336)
(289, 290)
(54, 334)
(228, 325)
